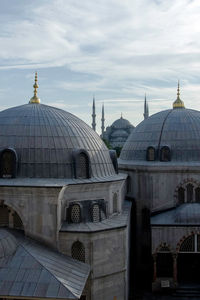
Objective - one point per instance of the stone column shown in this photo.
(175, 268)
(154, 267)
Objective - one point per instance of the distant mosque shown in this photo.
(116, 134)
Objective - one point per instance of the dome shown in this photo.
(121, 123)
(8, 244)
(119, 133)
(44, 139)
(178, 129)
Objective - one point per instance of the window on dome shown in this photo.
(197, 194)
(78, 251)
(165, 154)
(8, 162)
(75, 213)
(181, 195)
(189, 188)
(151, 154)
(81, 164)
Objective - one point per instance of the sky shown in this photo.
(117, 50)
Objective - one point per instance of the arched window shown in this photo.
(165, 154)
(8, 162)
(75, 213)
(181, 195)
(78, 251)
(95, 213)
(81, 164)
(189, 188)
(188, 245)
(115, 206)
(151, 154)
(197, 194)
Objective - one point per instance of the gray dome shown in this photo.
(8, 244)
(179, 129)
(121, 123)
(45, 138)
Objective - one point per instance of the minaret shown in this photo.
(93, 115)
(102, 122)
(178, 103)
(146, 108)
(35, 98)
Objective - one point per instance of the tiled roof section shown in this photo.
(44, 138)
(58, 182)
(185, 214)
(113, 222)
(178, 129)
(36, 271)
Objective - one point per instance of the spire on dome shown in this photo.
(178, 103)
(35, 98)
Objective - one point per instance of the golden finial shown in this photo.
(178, 103)
(35, 98)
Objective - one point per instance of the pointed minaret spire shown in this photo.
(102, 122)
(146, 108)
(93, 115)
(178, 103)
(35, 98)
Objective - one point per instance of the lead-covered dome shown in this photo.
(177, 130)
(45, 140)
(121, 123)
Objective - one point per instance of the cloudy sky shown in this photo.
(116, 49)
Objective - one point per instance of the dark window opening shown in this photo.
(78, 251)
(165, 154)
(164, 265)
(151, 154)
(189, 193)
(181, 195)
(197, 194)
(8, 164)
(75, 213)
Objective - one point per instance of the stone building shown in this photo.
(162, 161)
(62, 207)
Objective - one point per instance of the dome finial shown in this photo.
(35, 98)
(121, 116)
(178, 103)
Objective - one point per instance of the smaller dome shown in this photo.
(8, 244)
(121, 123)
(188, 213)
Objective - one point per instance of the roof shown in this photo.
(179, 129)
(36, 271)
(44, 139)
(121, 123)
(185, 214)
(113, 222)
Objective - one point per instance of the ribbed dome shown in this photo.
(121, 123)
(44, 139)
(179, 129)
(8, 244)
